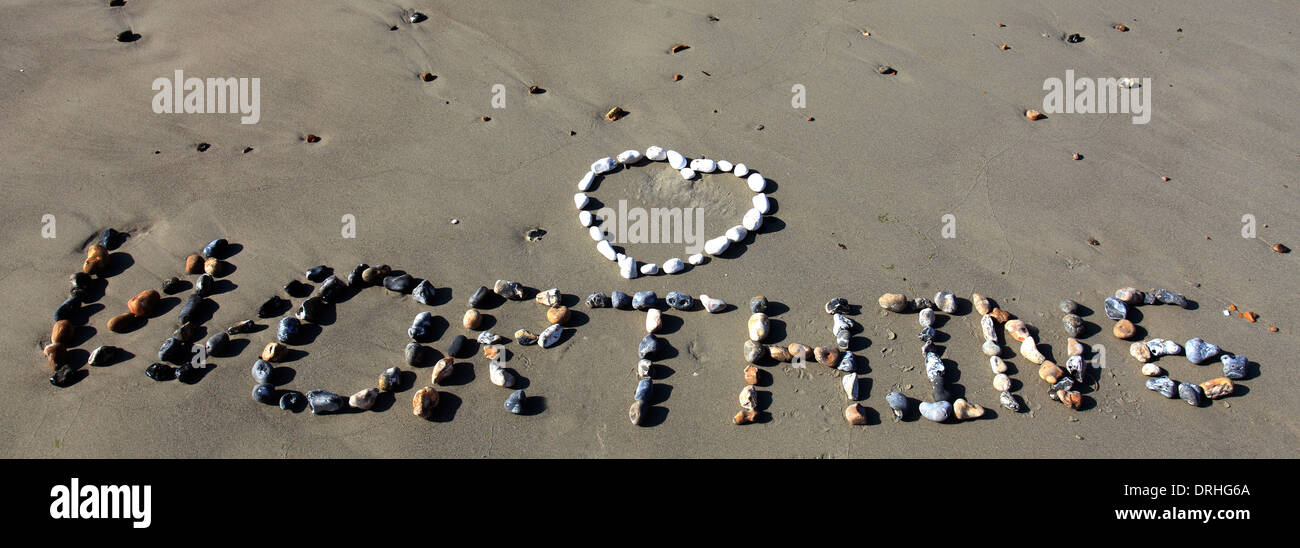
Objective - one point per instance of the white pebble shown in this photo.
(606, 250)
(676, 159)
(753, 219)
(655, 153)
(762, 203)
(674, 265)
(850, 383)
(725, 166)
(704, 165)
(585, 218)
(628, 157)
(687, 173)
(736, 233)
(740, 170)
(696, 259)
(602, 165)
(711, 304)
(653, 320)
(585, 183)
(596, 233)
(717, 245)
(627, 268)
(756, 182)
(649, 269)
(581, 200)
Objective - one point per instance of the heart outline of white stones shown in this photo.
(688, 168)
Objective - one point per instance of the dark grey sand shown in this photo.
(861, 193)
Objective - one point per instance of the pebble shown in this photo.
(479, 296)
(472, 319)
(854, 414)
(679, 300)
(1073, 347)
(644, 387)
(321, 401)
(675, 159)
(645, 300)
(704, 165)
(403, 283)
(243, 326)
(1115, 308)
(597, 300)
(1050, 372)
(515, 401)
(557, 315)
(173, 350)
(1164, 385)
(272, 307)
(375, 274)
(637, 412)
(550, 297)
(898, 403)
(424, 401)
(927, 335)
(1234, 367)
(1077, 368)
(650, 269)
(627, 268)
(415, 354)
(216, 344)
(848, 364)
(193, 264)
(740, 170)
(1017, 329)
(1168, 297)
(673, 266)
(980, 303)
(1000, 315)
(696, 259)
(988, 328)
(160, 372)
(291, 401)
(1190, 393)
(296, 288)
(779, 353)
(761, 203)
(443, 370)
(828, 356)
(643, 369)
(758, 327)
(754, 351)
(1217, 388)
(758, 304)
(332, 289)
(1073, 324)
(423, 293)
(963, 410)
(421, 327)
(936, 411)
(712, 305)
(288, 329)
(946, 301)
(1124, 329)
(274, 352)
(620, 300)
(922, 303)
(357, 276)
(364, 399)
(488, 337)
(499, 376)
(991, 349)
(606, 250)
(101, 356)
(687, 173)
(628, 157)
(1198, 351)
(550, 336)
(318, 274)
(459, 347)
(1140, 352)
(725, 166)
(656, 153)
(736, 233)
(525, 337)
(1001, 382)
(893, 302)
(752, 221)
(842, 338)
(653, 320)
(603, 165)
(748, 398)
(112, 239)
(311, 310)
(585, 219)
(997, 365)
(1029, 349)
(926, 318)
(390, 380)
(1068, 306)
(934, 367)
(744, 417)
(751, 375)
(1151, 370)
(264, 393)
(717, 246)
(756, 182)
(1130, 295)
(188, 309)
(1009, 402)
(1070, 398)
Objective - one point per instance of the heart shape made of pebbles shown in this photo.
(689, 169)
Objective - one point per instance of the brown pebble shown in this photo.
(486, 118)
(94, 265)
(1004, 47)
(1034, 114)
(491, 351)
(472, 319)
(62, 332)
(557, 314)
(97, 250)
(1093, 242)
(424, 401)
(751, 375)
(274, 352)
(1050, 372)
(427, 77)
(1120, 27)
(1165, 179)
(810, 118)
(535, 90)
(311, 138)
(122, 323)
(143, 304)
(1273, 329)
(1281, 248)
(1250, 316)
(212, 267)
(1000, 315)
(677, 77)
(679, 48)
(194, 264)
(57, 354)
(779, 353)
(853, 413)
(1071, 399)
(1124, 329)
(615, 113)
(798, 351)
(1078, 156)
(828, 356)
(1217, 388)
(744, 417)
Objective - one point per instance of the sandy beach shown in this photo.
(444, 175)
